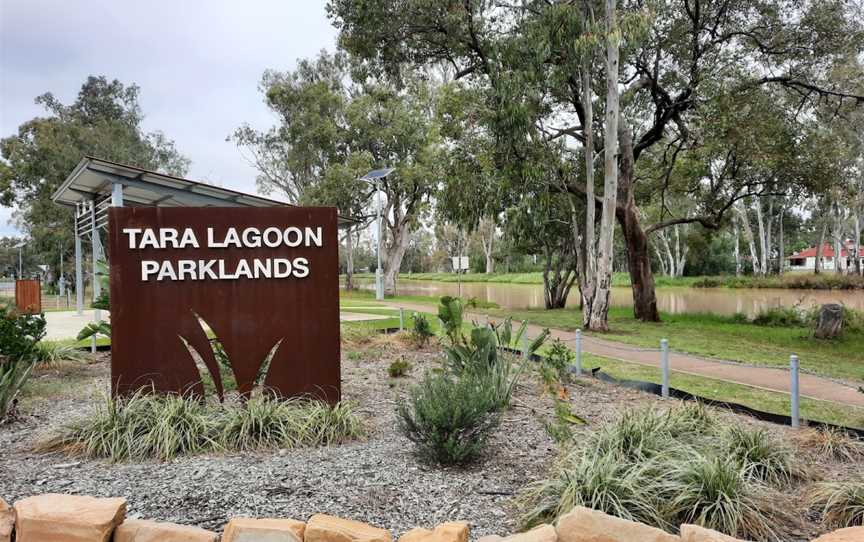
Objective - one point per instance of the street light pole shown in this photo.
(379, 276)
(376, 175)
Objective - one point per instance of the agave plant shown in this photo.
(479, 351)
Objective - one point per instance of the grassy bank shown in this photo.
(720, 337)
(766, 401)
(791, 281)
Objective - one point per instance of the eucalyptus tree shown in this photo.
(691, 58)
(335, 124)
(105, 120)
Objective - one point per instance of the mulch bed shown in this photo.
(377, 480)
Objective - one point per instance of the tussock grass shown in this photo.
(831, 442)
(665, 468)
(715, 493)
(593, 479)
(53, 353)
(358, 335)
(149, 426)
(761, 456)
(841, 503)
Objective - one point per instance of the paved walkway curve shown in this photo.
(767, 378)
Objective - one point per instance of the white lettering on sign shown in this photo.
(217, 269)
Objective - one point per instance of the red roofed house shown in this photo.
(805, 260)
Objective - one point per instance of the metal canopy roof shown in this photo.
(93, 177)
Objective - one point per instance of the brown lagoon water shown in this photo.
(749, 301)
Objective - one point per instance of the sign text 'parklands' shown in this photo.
(225, 295)
(215, 269)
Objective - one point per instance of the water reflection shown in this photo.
(673, 300)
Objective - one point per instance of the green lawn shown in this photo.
(532, 277)
(766, 401)
(720, 337)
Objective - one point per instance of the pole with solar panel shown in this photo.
(374, 177)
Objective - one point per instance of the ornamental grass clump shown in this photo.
(664, 468)
(714, 493)
(150, 426)
(841, 503)
(603, 481)
(762, 457)
(831, 442)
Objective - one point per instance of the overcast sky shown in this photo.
(198, 63)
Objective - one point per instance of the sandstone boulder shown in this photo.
(541, 533)
(849, 534)
(586, 525)
(695, 533)
(7, 521)
(446, 532)
(139, 530)
(67, 518)
(324, 528)
(263, 530)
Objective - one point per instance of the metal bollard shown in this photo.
(793, 369)
(578, 352)
(664, 362)
(401, 319)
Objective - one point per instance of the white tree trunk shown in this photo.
(781, 247)
(393, 256)
(349, 259)
(600, 305)
(763, 237)
(748, 236)
(817, 268)
(857, 240)
(589, 267)
(486, 231)
(737, 232)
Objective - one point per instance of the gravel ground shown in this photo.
(377, 480)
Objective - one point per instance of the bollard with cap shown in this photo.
(793, 391)
(664, 361)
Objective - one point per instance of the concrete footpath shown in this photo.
(65, 325)
(772, 379)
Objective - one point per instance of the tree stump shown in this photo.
(829, 324)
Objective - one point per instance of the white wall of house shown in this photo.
(810, 264)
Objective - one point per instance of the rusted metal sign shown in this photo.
(28, 295)
(263, 282)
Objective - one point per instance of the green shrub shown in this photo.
(19, 335)
(763, 458)
(559, 358)
(448, 418)
(842, 503)
(779, 317)
(421, 329)
(150, 426)
(714, 493)
(398, 368)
